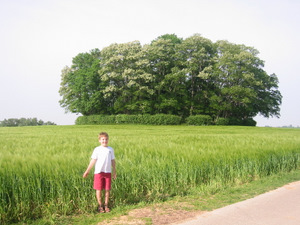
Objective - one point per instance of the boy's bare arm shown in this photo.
(90, 166)
(113, 163)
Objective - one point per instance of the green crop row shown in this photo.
(42, 167)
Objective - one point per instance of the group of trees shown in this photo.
(12, 122)
(171, 75)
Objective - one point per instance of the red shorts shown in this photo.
(102, 181)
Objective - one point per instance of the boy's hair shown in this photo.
(103, 134)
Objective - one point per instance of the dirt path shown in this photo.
(157, 214)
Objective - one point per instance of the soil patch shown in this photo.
(157, 214)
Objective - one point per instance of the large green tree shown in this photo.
(194, 55)
(161, 56)
(81, 85)
(242, 89)
(171, 75)
(123, 68)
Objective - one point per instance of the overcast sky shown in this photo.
(40, 37)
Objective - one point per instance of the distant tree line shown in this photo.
(23, 122)
(171, 75)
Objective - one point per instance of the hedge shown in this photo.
(199, 120)
(158, 119)
(222, 121)
(162, 119)
(235, 122)
(249, 122)
(242, 122)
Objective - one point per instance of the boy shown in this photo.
(103, 158)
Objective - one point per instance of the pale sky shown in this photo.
(40, 37)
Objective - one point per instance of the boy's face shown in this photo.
(103, 141)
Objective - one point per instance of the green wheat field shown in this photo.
(42, 167)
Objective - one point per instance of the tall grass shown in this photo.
(41, 167)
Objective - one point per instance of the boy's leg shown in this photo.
(99, 200)
(98, 196)
(106, 197)
(106, 201)
(98, 187)
(107, 189)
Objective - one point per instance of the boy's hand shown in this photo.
(114, 176)
(85, 174)
(92, 163)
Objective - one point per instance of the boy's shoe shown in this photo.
(106, 209)
(100, 209)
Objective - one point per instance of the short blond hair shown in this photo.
(103, 134)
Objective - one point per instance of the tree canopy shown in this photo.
(171, 75)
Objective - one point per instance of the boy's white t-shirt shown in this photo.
(104, 155)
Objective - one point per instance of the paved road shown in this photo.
(278, 207)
